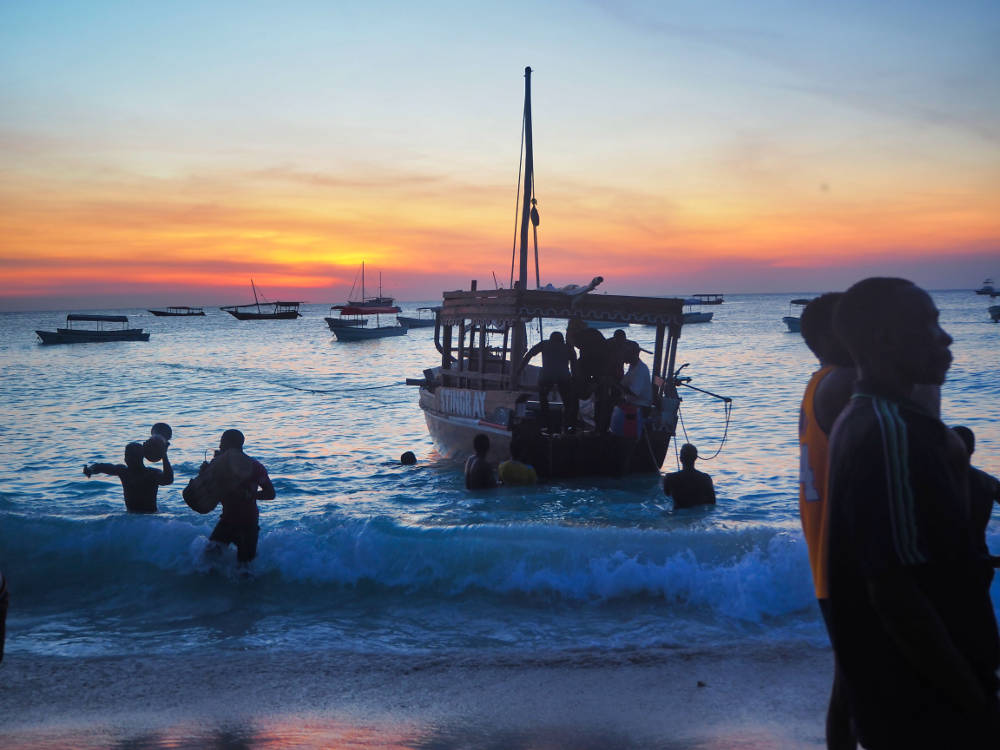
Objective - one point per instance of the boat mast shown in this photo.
(256, 301)
(362, 282)
(519, 340)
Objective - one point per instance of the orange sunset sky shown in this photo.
(166, 153)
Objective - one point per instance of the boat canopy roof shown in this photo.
(801, 301)
(368, 310)
(511, 305)
(98, 318)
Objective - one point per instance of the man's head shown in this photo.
(632, 352)
(407, 458)
(133, 455)
(890, 326)
(231, 439)
(689, 455)
(619, 335)
(481, 444)
(968, 437)
(555, 337)
(817, 331)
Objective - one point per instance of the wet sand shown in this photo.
(772, 697)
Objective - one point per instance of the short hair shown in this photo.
(408, 459)
(133, 454)
(632, 349)
(556, 336)
(688, 453)
(968, 437)
(231, 439)
(864, 311)
(619, 333)
(481, 443)
(817, 330)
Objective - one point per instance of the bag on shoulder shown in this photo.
(229, 473)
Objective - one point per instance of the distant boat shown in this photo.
(265, 310)
(988, 288)
(178, 311)
(698, 316)
(794, 322)
(98, 333)
(995, 313)
(709, 299)
(420, 321)
(379, 301)
(362, 332)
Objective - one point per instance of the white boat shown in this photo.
(694, 315)
(987, 288)
(793, 321)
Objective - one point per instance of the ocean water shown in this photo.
(359, 553)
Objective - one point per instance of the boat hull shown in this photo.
(284, 315)
(365, 334)
(167, 314)
(73, 336)
(415, 322)
(335, 323)
(697, 317)
(794, 324)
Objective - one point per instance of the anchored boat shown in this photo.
(480, 385)
(423, 319)
(99, 332)
(361, 332)
(793, 321)
(264, 310)
(178, 311)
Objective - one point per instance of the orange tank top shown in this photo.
(813, 444)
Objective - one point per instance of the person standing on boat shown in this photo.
(139, 482)
(590, 377)
(826, 394)
(479, 472)
(689, 487)
(911, 620)
(239, 523)
(558, 362)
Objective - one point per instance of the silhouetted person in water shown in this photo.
(239, 521)
(984, 490)
(558, 359)
(516, 470)
(479, 473)
(911, 619)
(408, 459)
(689, 487)
(139, 482)
(827, 393)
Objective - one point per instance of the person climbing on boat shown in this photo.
(239, 523)
(479, 473)
(826, 394)
(689, 487)
(558, 362)
(139, 482)
(516, 471)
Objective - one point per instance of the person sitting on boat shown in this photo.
(636, 390)
(515, 471)
(689, 487)
(479, 473)
(558, 361)
(240, 515)
(139, 482)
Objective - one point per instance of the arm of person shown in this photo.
(266, 491)
(529, 354)
(99, 468)
(167, 475)
(920, 635)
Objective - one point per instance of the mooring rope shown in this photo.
(338, 390)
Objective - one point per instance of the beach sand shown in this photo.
(771, 697)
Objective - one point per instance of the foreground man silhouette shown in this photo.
(911, 620)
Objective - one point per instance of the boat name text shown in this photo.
(463, 403)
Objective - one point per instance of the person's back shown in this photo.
(689, 487)
(479, 473)
(140, 483)
(515, 470)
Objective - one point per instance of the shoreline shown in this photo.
(772, 697)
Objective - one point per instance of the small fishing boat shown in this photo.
(264, 310)
(692, 315)
(341, 321)
(365, 301)
(363, 332)
(994, 311)
(481, 383)
(178, 311)
(793, 321)
(987, 288)
(709, 299)
(424, 318)
(92, 334)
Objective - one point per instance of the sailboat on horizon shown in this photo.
(264, 310)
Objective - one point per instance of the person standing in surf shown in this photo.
(139, 482)
(826, 394)
(911, 620)
(239, 523)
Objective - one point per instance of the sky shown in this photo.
(167, 153)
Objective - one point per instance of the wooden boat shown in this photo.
(344, 322)
(794, 321)
(87, 335)
(265, 310)
(692, 315)
(994, 311)
(363, 332)
(479, 385)
(178, 311)
(709, 299)
(420, 320)
(365, 301)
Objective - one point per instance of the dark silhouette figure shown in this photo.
(139, 482)
(984, 490)
(617, 354)
(689, 487)
(911, 620)
(516, 470)
(408, 459)
(240, 515)
(558, 360)
(479, 473)
(826, 394)
(593, 377)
